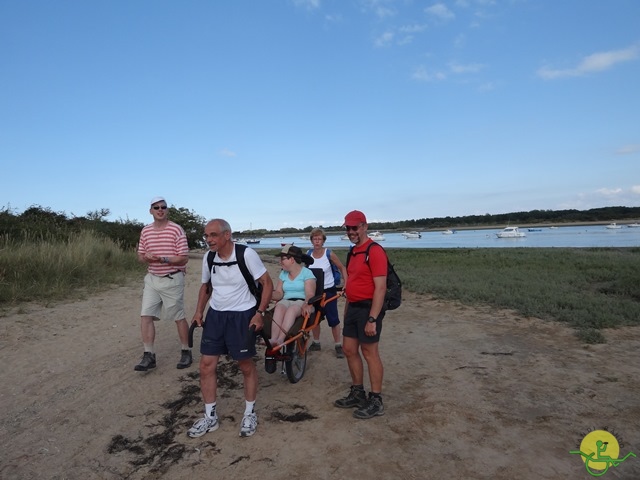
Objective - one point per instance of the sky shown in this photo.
(290, 113)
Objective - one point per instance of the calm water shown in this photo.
(590, 236)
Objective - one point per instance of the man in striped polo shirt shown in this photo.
(163, 247)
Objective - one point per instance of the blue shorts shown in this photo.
(227, 333)
(331, 308)
(356, 319)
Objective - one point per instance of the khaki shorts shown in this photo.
(163, 297)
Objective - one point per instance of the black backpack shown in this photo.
(393, 297)
(254, 287)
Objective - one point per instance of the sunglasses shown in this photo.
(282, 257)
(163, 207)
(352, 229)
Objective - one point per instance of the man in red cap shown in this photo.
(365, 293)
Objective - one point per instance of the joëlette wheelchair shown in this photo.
(293, 351)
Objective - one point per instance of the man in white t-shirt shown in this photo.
(226, 329)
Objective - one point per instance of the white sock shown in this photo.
(210, 409)
(148, 347)
(249, 407)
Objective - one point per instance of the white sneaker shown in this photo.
(249, 425)
(204, 425)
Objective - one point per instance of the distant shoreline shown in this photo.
(468, 227)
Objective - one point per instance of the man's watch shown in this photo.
(261, 312)
(372, 320)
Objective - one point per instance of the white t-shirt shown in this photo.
(324, 264)
(230, 289)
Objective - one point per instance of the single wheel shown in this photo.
(295, 367)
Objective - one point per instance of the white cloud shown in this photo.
(440, 11)
(596, 62)
(469, 68)
(379, 8)
(609, 192)
(383, 40)
(414, 28)
(225, 152)
(635, 189)
(628, 149)
(310, 4)
(421, 74)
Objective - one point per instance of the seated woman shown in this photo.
(296, 285)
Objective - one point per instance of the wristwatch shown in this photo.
(372, 320)
(261, 312)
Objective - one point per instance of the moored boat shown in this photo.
(510, 232)
(376, 236)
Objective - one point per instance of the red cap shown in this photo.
(354, 218)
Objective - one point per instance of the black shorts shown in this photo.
(355, 320)
(228, 333)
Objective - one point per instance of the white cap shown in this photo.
(157, 199)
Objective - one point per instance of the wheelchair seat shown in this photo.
(314, 317)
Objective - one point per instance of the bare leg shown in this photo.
(250, 375)
(371, 355)
(148, 330)
(354, 360)
(183, 331)
(209, 377)
(336, 333)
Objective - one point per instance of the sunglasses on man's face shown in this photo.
(350, 228)
(157, 207)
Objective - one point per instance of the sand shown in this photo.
(469, 393)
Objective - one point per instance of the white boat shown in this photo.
(614, 226)
(249, 241)
(411, 234)
(633, 225)
(344, 237)
(448, 232)
(376, 236)
(511, 232)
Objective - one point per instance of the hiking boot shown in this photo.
(249, 425)
(186, 359)
(270, 364)
(148, 361)
(372, 409)
(315, 347)
(356, 398)
(339, 351)
(202, 426)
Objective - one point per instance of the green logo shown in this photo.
(600, 450)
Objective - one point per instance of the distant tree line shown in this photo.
(40, 222)
(533, 217)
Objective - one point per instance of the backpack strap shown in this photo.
(366, 252)
(240, 261)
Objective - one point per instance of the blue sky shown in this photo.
(278, 113)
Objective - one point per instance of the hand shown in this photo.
(259, 323)
(198, 319)
(370, 329)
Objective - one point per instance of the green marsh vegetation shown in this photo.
(590, 289)
(47, 269)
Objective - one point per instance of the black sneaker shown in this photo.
(373, 408)
(339, 351)
(315, 347)
(356, 398)
(185, 359)
(148, 361)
